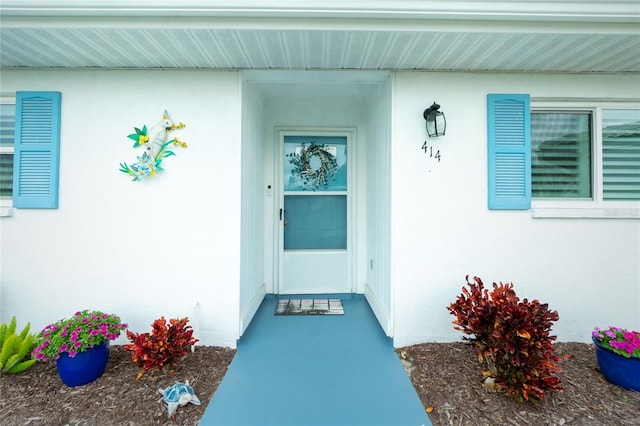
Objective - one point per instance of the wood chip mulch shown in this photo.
(446, 377)
(38, 397)
(448, 380)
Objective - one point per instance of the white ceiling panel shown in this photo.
(526, 36)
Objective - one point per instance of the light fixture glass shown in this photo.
(436, 123)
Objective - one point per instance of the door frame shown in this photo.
(278, 161)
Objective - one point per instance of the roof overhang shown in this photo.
(515, 35)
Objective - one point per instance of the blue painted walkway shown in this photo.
(315, 371)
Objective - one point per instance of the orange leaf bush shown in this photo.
(511, 338)
(164, 346)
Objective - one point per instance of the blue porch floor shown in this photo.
(334, 370)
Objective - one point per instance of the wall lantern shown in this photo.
(436, 123)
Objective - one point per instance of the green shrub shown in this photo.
(15, 347)
(510, 338)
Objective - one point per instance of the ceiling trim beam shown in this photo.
(309, 24)
(500, 10)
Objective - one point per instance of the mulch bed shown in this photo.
(38, 397)
(448, 380)
(446, 376)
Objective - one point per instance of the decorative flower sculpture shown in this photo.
(155, 143)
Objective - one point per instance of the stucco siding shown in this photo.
(586, 269)
(176, 245)
(169, 245)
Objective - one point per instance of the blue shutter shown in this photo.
(37, 150)
(509, 137)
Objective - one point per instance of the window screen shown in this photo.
(561, 155)
(7, 125)
(621, 154)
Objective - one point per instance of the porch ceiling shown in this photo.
(411, 36)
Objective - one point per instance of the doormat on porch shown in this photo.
(309, 307)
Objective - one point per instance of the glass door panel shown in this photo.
(315, 222)
(315, 164)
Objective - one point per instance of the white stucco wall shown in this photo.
(162, 246)
(140, 250)
(586, 269)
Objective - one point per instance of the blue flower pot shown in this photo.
(618, 369)
(85, 367)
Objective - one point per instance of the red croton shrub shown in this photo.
(164, 346)
(510, 338)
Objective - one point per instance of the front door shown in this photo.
(314, 214)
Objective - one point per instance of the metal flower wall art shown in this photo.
(155, 144)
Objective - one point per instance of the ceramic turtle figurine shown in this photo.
(178, 394)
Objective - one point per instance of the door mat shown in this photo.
(309, 307)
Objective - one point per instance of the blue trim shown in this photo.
(37, 150)
(509, 151)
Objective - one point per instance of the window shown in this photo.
(582, 159)
(7, 124)
(621, 154)
(561, 154)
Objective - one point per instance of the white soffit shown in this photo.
(525, 36)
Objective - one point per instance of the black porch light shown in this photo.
(436, 123)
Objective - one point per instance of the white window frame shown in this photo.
(596, 207)
(6, 203)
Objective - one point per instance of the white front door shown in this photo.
(314, 215)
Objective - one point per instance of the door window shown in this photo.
(315, 193)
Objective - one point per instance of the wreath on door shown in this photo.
(302, 165)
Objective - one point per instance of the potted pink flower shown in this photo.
(79, 345)
(618, 354)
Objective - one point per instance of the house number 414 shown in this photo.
(431, 152)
